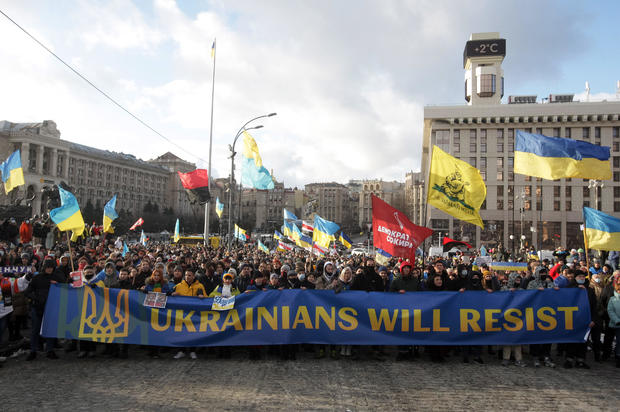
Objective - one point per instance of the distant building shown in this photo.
(519, 210)
(414, 197)
(391, 192)
(94, 175)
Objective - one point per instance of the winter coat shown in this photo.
(325, 280)
(185, 289)
(613, 310)
(242, 283)
(536, 282)
(406, 283)
(25, 232)
(39, 288)
(369, 280)
(339, 286)
(9, 289)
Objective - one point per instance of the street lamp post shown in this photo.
(232, 169)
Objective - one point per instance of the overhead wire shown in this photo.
(110, 98)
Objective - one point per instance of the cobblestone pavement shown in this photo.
(141, 383)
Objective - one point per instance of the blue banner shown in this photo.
(321, 317)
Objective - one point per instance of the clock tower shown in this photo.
(482, 61)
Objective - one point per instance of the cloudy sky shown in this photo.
(349, 79)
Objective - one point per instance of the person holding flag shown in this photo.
(12, 172)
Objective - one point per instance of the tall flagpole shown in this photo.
(208, 204)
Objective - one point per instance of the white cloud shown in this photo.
(348, 79)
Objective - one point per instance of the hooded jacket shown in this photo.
(471, 283)
(326, 279)
(369, 280)
(39, 287)
(511, 282)
(536, 282)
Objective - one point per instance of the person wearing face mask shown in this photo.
(542, 352)
(613, 310)
(474, 283)
(406, 282)
(458, 283)
(577, 351)
(304, 282)
(513, 285)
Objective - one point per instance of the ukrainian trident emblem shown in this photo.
(97, 321)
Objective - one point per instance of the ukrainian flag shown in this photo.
(288, 215)
(277, 235)
(143, 238)
(382, 257)
(253, 173)
(240, 233)
(509, 266)
(602, 231)
(287, 229)
(177, 232)
(219, 207)
(300, 238)
(324, 231)
(109, 214)
(345, 240)
(12, 172)
(556, 157)
(68, 215)
(125, 249)
(262, 247)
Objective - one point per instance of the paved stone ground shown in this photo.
(141, 383)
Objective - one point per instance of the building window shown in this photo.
(556, 132)
(597, 132)
(616, 191)
(586, 203)
(500, 204)
(472, 161)
(586, 191)
(616, 146)
(500, 176)
(556, 205)
(616, 176)
(615, 132)
(585, 133)
(539, 130)
(556, 191)
(568, 191)
(568, 206)
(616, 206)
(500, 162)
(487, 85)
(442, 139)
(616, 161)
(528, 205)
(500, 191)
(567, 132)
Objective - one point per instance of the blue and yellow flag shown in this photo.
(143, 238)
(288, 215)
(109, 214)
(556, 158)
(602, 231)
(287, 229)
(177, 231)
(262, 247)
(240, 233)
(12, 172)
(277, 235)
(324, 231)
(253, 173)
(213, 49)
(219, 207)
(345, 240)
(68, 215)
(301, 239)
(382, 257)
(125, 249)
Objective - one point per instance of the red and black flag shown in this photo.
(448, 244)
(196, 184)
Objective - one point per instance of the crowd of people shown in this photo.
(30, 268)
